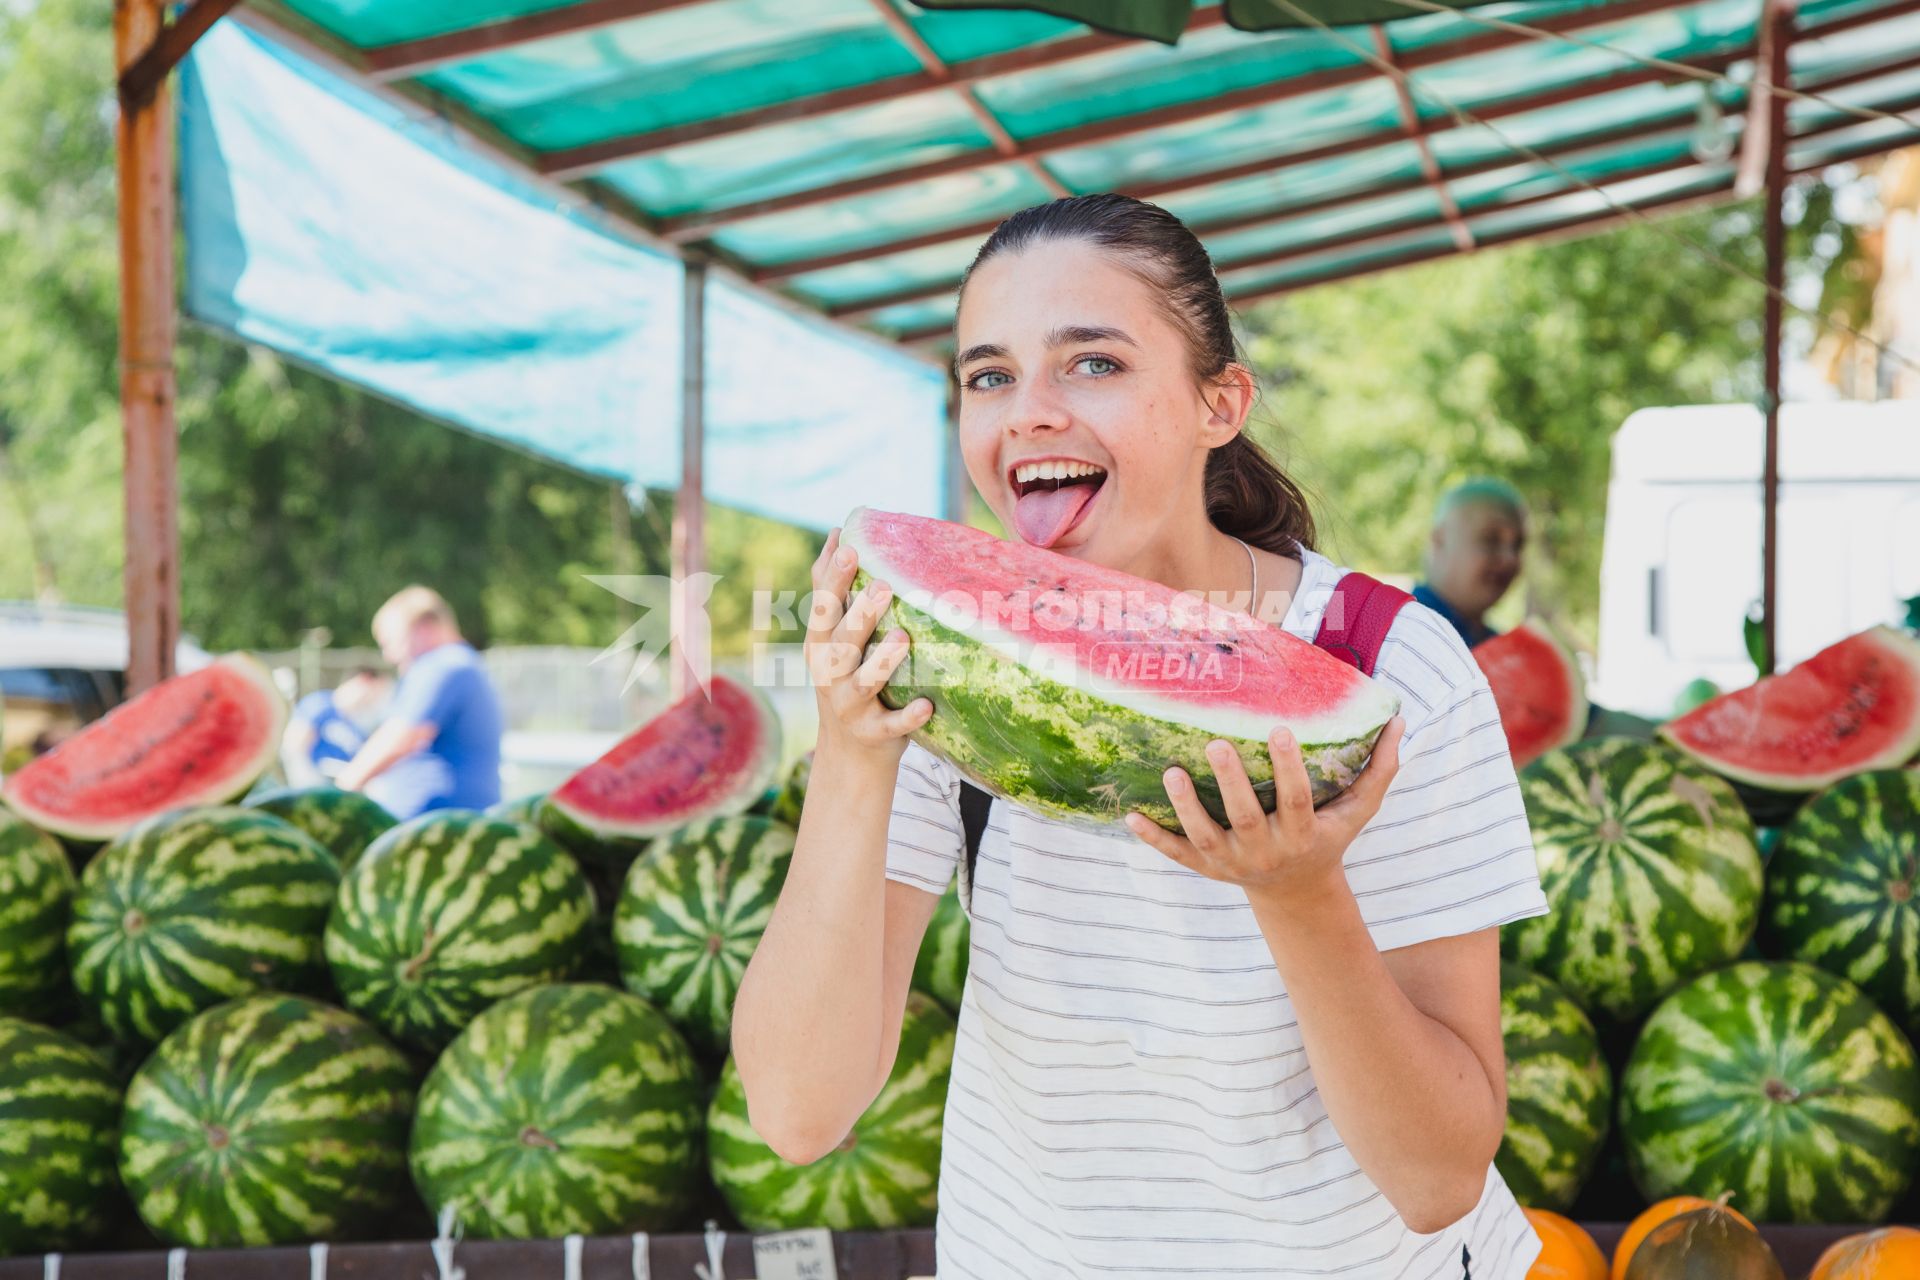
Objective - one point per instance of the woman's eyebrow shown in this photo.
(980, 351)
(1072, 334)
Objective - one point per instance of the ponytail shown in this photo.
(1249, 497)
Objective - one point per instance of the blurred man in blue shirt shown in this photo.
(439, 747)
(1474, 554)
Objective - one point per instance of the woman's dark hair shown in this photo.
(1247, 495)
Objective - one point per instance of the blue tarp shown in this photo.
(339, 228)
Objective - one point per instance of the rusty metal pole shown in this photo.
(1779, 16)
(689, 508)
(152, 568)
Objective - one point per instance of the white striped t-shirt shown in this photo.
(1130, 1094)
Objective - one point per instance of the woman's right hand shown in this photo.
(846, 679)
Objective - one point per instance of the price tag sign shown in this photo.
(795, 1255)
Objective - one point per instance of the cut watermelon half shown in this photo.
(201, 738)
(1070, 688)
(1851, 707)
(706, 756)
(1538, 688)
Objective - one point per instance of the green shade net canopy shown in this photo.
(851, 155)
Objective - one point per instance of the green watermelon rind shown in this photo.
(690, 914)
(210, 788)
(268, 1120)
(884, 1176)
(1841, 888)
(345, 822)
(1559, 1092)
(1778, 792)
(37, 885)
(448, 913)
(193, 908)
(59, 1130)
(1638, 814)
(940, 966)
(565, 1109)
(1705, 1097)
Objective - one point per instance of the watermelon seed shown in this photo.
(532, 1137)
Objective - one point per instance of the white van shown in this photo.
(1681, 562)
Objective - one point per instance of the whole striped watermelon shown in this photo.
(268, 1120)
(1781, 1084)
(940, 969)
(1070, 688)
(1649, 865)
(570, 1108)
(883, 1175)
(448, 913)
(346, 822)
(1841, 885)
(520, 809)
(195, 907)
(36, 896)
(793, 792)
(1559, 1092)
(690, 915)
(59, 1122)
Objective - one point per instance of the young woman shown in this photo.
(1266, 1050)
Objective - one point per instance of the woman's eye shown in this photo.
(1098, 366)
(986, 380)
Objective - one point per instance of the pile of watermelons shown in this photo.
(1716, 1008)
(291, 1019)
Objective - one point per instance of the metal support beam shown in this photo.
(696, 226)
(576, 162)
(690, 506)
(1778, 18)
(138, 81)
(417, 57)
(144, 144)
(1429, 167)
(931, 62)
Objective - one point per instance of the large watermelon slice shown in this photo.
(1538, 688)
(201, 738)
(1851, 707)
(708, 755)
(1070, 688)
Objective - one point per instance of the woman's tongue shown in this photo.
(1043, 515)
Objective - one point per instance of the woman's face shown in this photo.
(1081, 421)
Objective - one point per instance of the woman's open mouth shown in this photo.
(1051, 496)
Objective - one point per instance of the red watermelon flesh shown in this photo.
(703, 757)
(1851, 707)
(1164, 653)
(200, 738)
(1538, 688)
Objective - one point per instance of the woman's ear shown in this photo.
(1229, 401)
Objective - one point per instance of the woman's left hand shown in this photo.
(1294, 848)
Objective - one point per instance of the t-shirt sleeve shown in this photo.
(432, 695)
(1449, 853)
(924, 836)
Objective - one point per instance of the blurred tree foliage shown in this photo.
(304, 502)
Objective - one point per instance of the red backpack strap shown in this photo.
(1358, 616)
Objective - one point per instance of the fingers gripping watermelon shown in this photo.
(1070, 688)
